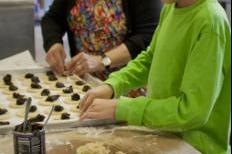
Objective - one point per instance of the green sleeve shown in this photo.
(134, 75)
(200, 88)
(137, 71)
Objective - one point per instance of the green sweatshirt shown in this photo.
(187, 70)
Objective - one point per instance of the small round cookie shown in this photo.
(7, 92)
(19, 103)
(58, 110)
(50, 100)
(80, 83)
(4, 114)
(73, 100)
(43, 94)
(63, 116)
(32, 112)
(15, 96)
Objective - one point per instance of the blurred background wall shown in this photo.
(16, 27)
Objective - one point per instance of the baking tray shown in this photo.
(59, 124)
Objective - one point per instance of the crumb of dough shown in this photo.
(93, 148)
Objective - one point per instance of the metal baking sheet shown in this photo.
(53, 124)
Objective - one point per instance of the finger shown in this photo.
(89, 115)
(74, 60)
(52, 63)
(63, 54)
(80, 70)
(49, 59)
(80, 62)
(59, 63)
(88, 102)
(82, 101)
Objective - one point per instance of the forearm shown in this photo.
(54, 24)
(119, 56)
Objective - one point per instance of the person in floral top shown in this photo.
(103, 34)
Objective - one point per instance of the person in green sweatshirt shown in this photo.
(187, 70)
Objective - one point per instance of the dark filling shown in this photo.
(4, 123)
(7, 79)
(58, 108)
(76, 97)
(78, 107)
(52, 98)
(80, 83)
(65, 116)
(86, 88)
(60, 85)
(21, 101)
(36, 85)
(17, 95)
(68, 90)
(38, 118)
(13, 88)
(50, 73)
(35, 79)
(64, 75)
(52, 78)
(31, 128)
(8, 83)
(33, 108)
(45, 92)
(29, 76)
(3, 111)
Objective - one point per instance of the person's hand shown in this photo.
(56, 57)
(101, 109)
(102, 92)
(84, 63)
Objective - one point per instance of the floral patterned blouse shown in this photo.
(98, 25)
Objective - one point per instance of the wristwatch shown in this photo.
(106, 61)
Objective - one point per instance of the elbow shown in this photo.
(195, 120)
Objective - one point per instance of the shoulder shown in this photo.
(212, 18)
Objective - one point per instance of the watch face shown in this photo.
(106, 61)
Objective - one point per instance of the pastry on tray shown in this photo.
(29, 76)
(50, 100)
(4, 114)
(33, 111)
(58, 110)
(35, 79)
(86, 88)
(19, 103)
(4, 123)
(80, 83)
(73, 99)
